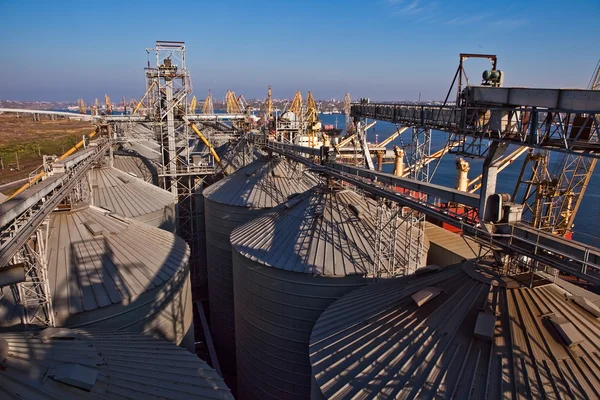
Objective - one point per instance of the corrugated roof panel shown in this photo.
(237, 155)
(319, 234)
(255, 186)
(377, 336)
(136, 165)
(126, 195)
(127, 366)
(127, 258)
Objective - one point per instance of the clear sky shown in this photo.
(383, 49)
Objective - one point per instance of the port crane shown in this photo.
(552, 195)
(207, 107)
(311, 119)
(296, 105)
(193, 105)
(569, 256)
(268, 107)
(107, 102)
(82, 106)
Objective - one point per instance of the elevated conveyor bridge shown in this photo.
(568, 256)
(565, 120)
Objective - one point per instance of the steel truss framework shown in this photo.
(33, 294)
(169, 85)
(559, 130)
(390, 246)
(551, 200)
(24, 242)
(568, 256)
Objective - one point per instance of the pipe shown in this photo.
(462, 177)
(379, 161)
(40, 175)
(398, 161)
(207, 143)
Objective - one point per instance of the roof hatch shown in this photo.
(76, 375)
(94, 228)
(57, 333)
(426, 294)
(485, 326)
(586, 305)
(428, 269)
(566, 330)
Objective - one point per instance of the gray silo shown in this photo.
(134, 164)
(66, 364)
(289, 265)
(465, 333)
(229, 203)
(131, 197)
(235, 155)
(108, 272)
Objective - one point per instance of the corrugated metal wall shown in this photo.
(275, 314)
(221, 219)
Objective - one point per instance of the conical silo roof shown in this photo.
(235, 155)
(109, 258)
(75, 364)
(324, 231)
(289, 265)
(134, 164)
(265, 183)
(132, 197)
(463, 332)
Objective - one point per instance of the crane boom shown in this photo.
(207, 107)
(296, 105)
(475, 183)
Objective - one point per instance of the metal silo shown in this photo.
(59, 363)
(235, 155)
(289, 265)
(229, 203)
(131, 197)
(105, 271)
(465, 333)
(134, 164)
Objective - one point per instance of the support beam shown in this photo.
(490, 176)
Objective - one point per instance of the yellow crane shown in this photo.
(313, 124)
(210, 147)
(137, 107)
(475, 183)
(109, 107)
(348, 139)
(551, 199)
(207, 107)
(82, 107)
(296, 105)
(193, 105)
(232, 104)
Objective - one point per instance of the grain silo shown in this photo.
(131, 197)
(289, 265)
(464, 333)
(108, 272)
(136, 165)
(59, 363)
(235, 155)
(229, 203)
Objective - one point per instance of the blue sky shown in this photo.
(383, 49)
